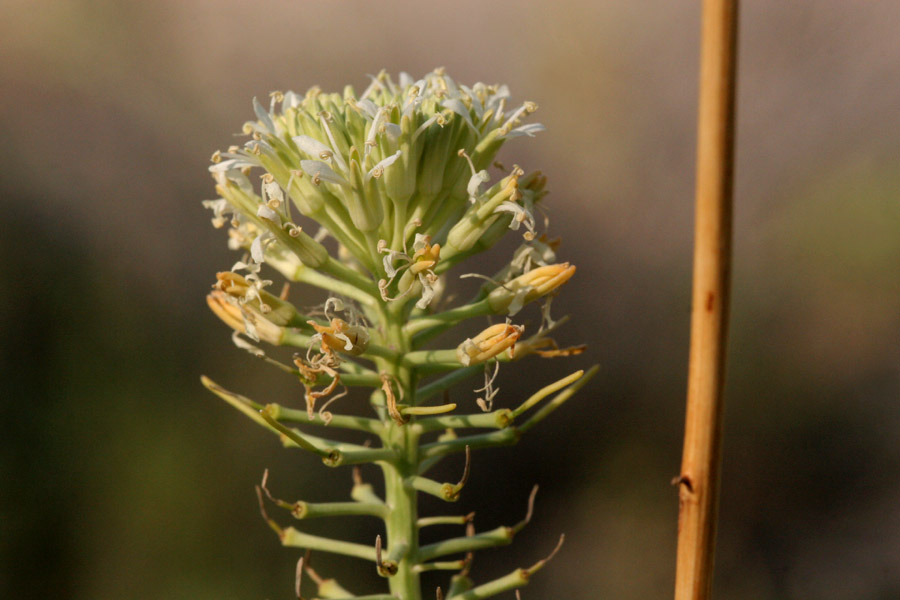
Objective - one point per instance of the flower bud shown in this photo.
(478, 219)
(400, 182)
(441, 142)
(364, 202)
(489, 343)
(513, 295)
(274, 309)
(246, 321)
(309, 251)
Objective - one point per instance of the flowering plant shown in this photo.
(374, 198)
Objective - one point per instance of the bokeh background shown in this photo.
(120, 477)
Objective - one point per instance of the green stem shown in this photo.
(440, 360)
(516, 579)
(498, 419)
(443, 320)
(310, 276)
(446, 520)
(504, 437)
(343, 421)
(314, 510)
(354, 278)
(489, 539)
(298, 539)
(401, 498)
(447, 381)
(402, 502)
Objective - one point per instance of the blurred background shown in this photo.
(121, 477)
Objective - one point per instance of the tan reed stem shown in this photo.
(701, 460)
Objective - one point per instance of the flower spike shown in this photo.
(373, 198)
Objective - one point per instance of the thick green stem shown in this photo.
(401, 501)
(400, 497)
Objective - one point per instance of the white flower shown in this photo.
(234, 164)
(221, 209)
(474, 187)
(402, 166)
(313, 147)
(373, 130)
(319, 171)
(379, 168)
(258, 247)
(457, 106)
(530, 129)
(264, 117)
(521, 216)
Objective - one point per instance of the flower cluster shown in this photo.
(374, 198)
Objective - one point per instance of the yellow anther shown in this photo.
(340, 336)
(425, 258)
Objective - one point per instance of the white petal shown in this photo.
(392, 130)
(495, 102)
(313, 147)
(518, 300)
(273, 191)
(476, 103)
(241, 265)
(220, 206)
(530, 129)
(334, 303)
(465, 351)
(337, 155)
(318, 169)
(263, 116)
(249, 327)
(427, 292)
(291, 100)
(233, 164)
(388, 261)
(452, 90)
(348, 345)
(457, 106)
(382, 165)
(421, 240)
(520, 215)
(424, 126)
(258, 247)
(240, 343)
(369, 107)
(475, 182)
(242, 182)
(375, 85)
(411, 104)
(373, 130)
(264, 212)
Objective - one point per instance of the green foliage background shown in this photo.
(120, 477)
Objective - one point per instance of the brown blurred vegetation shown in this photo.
(122, 478)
